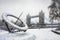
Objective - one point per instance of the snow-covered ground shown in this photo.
(38, 34)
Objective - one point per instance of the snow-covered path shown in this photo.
(44, 34)
(39, 34)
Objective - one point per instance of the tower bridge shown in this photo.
(40, 16)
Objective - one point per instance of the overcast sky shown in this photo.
(33, 7)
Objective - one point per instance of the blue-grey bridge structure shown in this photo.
(41, 23)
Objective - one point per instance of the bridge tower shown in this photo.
(28, 19)
(41, 18)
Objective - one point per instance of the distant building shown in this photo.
(41, 20)
(41, 17)
(28, 20)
